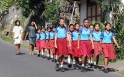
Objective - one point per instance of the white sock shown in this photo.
(51, 56)
(42, 53)
(94, 63)
(73, 61)
(61, 65)
(47, 55)
(69, 60)
(80, 60)
(82, 65)
(89, 61)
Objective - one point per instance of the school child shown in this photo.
(76, 51)
(90, 60)
(47, 33)
(61, 44)
(42, 42)
(69, 44)
(85, 43)
(51, 43)
(17, 36)
(91, 27)
(97, 48)
(38, 42)
(107, 48)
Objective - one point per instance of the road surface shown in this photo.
(24, 65)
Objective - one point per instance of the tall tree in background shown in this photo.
(51, 12)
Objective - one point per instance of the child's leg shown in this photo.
(106, 61)
(83, 61)
(95, 59)
(16, 48)
(69, 59)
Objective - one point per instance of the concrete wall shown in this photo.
(83, 11)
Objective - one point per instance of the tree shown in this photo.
(117, 21)
(51, 12)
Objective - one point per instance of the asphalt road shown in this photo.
(24, 65)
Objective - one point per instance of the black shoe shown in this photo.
(105, 70)
(95, 66)
(57, 67)
(55, 60)
(48, 58)
(38, 55)
(83, 69)
(69, 65)
(52, 60)
(74, 66)
(62, 69)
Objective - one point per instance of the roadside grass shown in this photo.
(10, 39)
(122, 72)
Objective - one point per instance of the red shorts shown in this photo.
(97, 48)
(47, 44)
(108, 51)
(38, 45)
(76, 52)
(62, 47)
(86, 48)
(51, 44)
(42, 44)
(69, 48)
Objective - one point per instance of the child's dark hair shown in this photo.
(53, 27)
(76, 24)
(16, 22)
(85, 20)
(60, 19)
(96, 24)
(107, 24)
(71, 25)
(91, 25)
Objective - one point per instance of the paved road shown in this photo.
(24, 65)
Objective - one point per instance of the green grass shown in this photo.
(122, 72)
(10, 39)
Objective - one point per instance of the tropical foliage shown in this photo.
(117, 21)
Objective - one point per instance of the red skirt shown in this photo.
(108, 51)
(97, 48)
(51, 44)
(47, 44)
(62, 47)
(69, 48)
(86, 48)
(76, 52)
(42, 44)
(38, 45)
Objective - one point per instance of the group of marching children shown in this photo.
(83, 43)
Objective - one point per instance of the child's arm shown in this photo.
(35, 25)
(91, 39)
(55, 41)
(114, 40)
(68, 38)
(26, 35)
(78, 41)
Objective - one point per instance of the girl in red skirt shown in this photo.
(76, 51)
(107, 48)
(85, 43)
(42, 42)
(69, 44)
(90, 60)
(47, 33)
(51, 43)
(97, 48)
(61, 44)
(38, 43)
